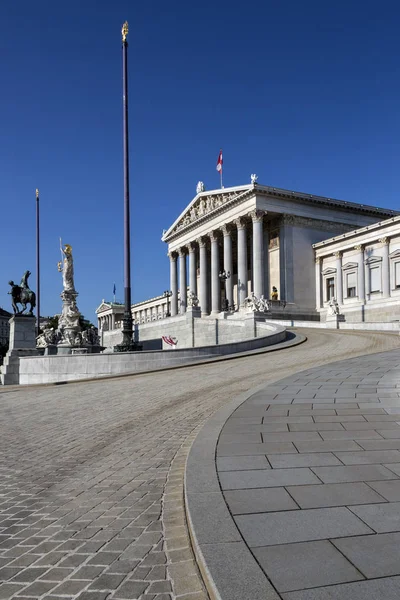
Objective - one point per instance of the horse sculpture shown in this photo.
(21, 294)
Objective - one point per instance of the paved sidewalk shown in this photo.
(310, 471)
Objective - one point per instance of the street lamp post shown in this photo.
(127, 322)
(223, 276)
(167, 295)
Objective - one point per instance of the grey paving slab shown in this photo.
(236, 480)
(286, 461)
(333, 494)
(237, 437)
(382, 518)
(390, 490)
(369, 457)
(290, 419)
(380, 444)
(316, 427)
(370, 425)
(389, 433)
(353, 473)
(296, 436)
(305, 565)
(299, 526)
(254, 449)
(328, 446)
(259, 500)
(376, 589)
(340, 419)
(350, 435)
(237, 463)
(375, 556)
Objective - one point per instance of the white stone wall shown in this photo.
(52, 369)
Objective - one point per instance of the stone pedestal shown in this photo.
(22, 343)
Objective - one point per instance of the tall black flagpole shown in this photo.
(127, 328)
(37, 265)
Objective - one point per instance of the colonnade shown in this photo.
(209, 279)
(107, 322)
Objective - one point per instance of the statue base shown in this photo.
(22, 343)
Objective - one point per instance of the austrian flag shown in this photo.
(220, 162)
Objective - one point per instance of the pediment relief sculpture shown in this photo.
(204, 205)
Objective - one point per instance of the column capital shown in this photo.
(213, 235)
(172, 256)
(182, 252)
(384, 241)
(226, 229)
(191, 247)
(202, 241)
(359, 247)
(240, 223)
(318, 260)
(338, 254)
(257, 215)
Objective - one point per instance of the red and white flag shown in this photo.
(220, 162)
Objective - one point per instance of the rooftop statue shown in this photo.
(21, 294)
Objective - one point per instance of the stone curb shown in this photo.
(299, 338)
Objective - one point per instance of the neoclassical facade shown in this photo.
(361, 271)
(261, 238)
(110, 314)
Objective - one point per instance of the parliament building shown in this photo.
(299, 251)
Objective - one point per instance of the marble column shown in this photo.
(266, 264)
(203, 276)
(182, 280)
(318, 295)
(113, 321)
(228, 262)
(361, 273)
(258, 252)
(173, 283)
(192, 269)
(339, 278)
(241, 260)
(215, 281)
(385, 267)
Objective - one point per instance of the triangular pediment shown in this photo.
(103, 306)
(204, 205)
(395, 254)
(329, 271)
(350, 265)
(373, 259)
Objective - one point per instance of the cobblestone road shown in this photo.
(91, 474)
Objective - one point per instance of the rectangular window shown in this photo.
(330, 288)
(397, 274)
(375, 274)
(351, 284)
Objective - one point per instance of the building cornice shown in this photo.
(374, 227)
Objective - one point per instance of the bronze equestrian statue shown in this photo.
(21, 294)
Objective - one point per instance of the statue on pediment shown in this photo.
(200, 187)
(202, 208)
(210, 203)
(193, 214)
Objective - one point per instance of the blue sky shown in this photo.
(305, 94)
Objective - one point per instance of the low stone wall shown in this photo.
(56, 369)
